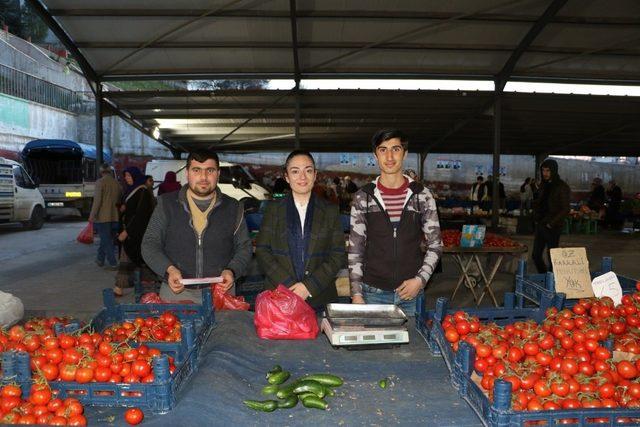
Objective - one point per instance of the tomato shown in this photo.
(140, 368)
(11, 391)
(77, 420)
(626, 369)
(130, 355)
(531, 348)
(569, 366)
(133, 416)
(68, 372)
(40, 396)
(84, 375)
(54, 355)
(71, 355)
(102, 374)
(58, 420)
(168, 318)
(541, 388)
(7, 403)
(16, 333)
(483, 350)
(451, 335)
(560, 388)
(54, 404)
(73, 406)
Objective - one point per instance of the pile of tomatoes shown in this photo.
(562, 362)
(91, 357)
(164, 328)
(451, 238)
(40, 408)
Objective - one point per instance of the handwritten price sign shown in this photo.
(571, 272)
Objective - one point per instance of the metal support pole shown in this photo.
(297, 116)
(422, 157)
(497, 124)
(99, 141)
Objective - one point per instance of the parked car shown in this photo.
(20, 200)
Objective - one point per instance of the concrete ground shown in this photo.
(53, 274)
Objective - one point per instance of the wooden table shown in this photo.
(465, 259)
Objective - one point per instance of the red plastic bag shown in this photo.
(86, 235)
(225, 301)
(282, 315)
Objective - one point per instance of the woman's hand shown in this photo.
(357, 299)
(123, 236)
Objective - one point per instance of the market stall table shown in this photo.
(466, 258)
(233, 366)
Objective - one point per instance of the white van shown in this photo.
(235, 181)
(20, 200)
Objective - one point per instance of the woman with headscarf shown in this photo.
(170, 184)
(137, 207)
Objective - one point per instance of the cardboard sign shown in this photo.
(607, 285)
(571, 272)
(472, 236)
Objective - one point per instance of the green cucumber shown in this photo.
(303, 396)
(289, 402)
(275, 369)
(286, 391)
(328, 392)
(264, 405)
(270, 389)
(278, 377)
(310, 386)
(325, 379)
(315, 403)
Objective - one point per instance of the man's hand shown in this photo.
(409, 289)
(174, 276)
(357, 299)
(227, 280)
(123, 236)
(300, 289)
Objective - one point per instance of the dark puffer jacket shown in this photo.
(551, 206)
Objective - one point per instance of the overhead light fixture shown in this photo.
(157, 110)
(156, 132)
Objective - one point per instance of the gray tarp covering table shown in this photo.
(233, 366)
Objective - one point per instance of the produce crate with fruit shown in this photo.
(578, 366)
(533, 286)
(429, 323)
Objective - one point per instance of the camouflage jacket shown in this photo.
(420, 205)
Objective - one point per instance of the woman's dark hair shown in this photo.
(295, 153)
(386, 134)
(523, 186)
(202, 156)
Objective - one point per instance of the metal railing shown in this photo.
(22, 85)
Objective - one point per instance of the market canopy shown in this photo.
(559, 40)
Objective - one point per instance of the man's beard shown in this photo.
(198, 193)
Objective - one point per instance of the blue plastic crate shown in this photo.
(159, 397)
(500, 414)
(533, 286)
(429, 323)
(197, 322)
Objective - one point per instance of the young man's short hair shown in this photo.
(202, 156)
(386, 134)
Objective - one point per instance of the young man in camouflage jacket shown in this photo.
(392, 219)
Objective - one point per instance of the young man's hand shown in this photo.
(357, 299)
(227, 280)
(123, 236)
(174, 276)
(409, 289)
(301, 290)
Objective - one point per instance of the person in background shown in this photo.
(391, 218)
(197, 232)
(170, 184)
(137, 207)
(477, 190)
(597, 196)
(104, 215)
(550, 209)
(614, 195)
(526, 196)
(301, 242)
(150, 184)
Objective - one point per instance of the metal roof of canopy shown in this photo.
(500, 40)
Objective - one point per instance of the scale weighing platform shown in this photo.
(360, 326)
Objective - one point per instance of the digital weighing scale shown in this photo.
(358, 326)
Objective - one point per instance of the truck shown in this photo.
(234, 181)
(20, 200)
(66, 173)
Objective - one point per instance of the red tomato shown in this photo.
(133, 416)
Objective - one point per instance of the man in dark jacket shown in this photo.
(550, 208)
(197, 232)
